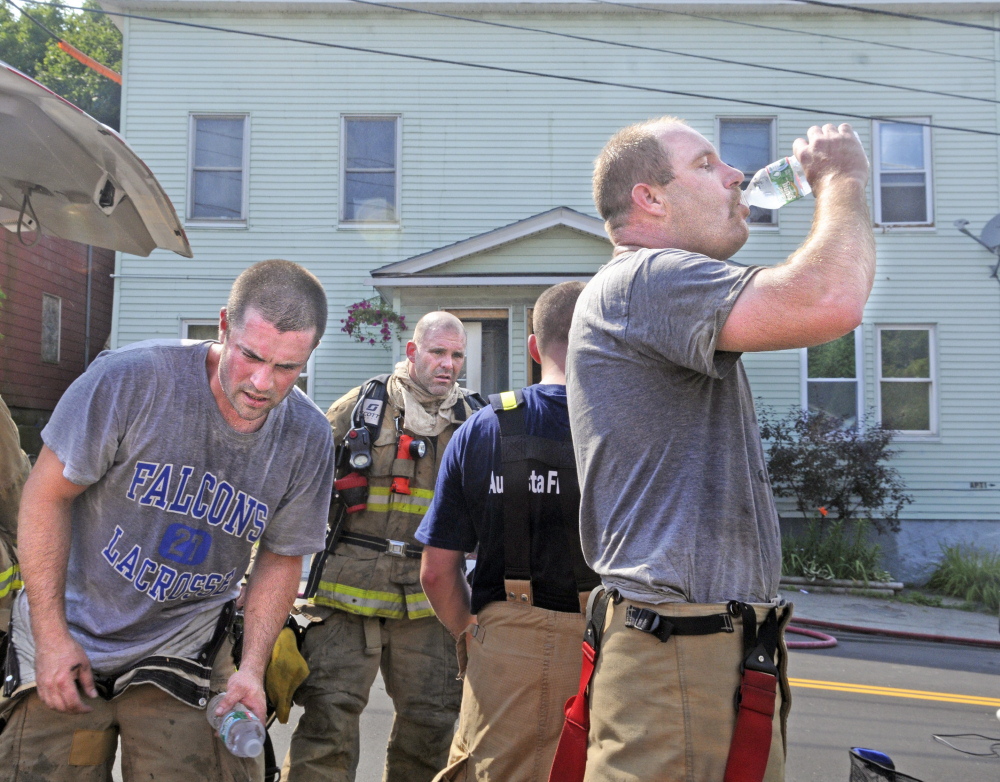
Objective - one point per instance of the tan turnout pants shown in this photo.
(524, 663)
(663, 712)
(162, 739)
(419, 668)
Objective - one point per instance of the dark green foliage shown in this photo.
(968, 573)
(832, 550)
(29, 49)
(831, 469)
(833, 359)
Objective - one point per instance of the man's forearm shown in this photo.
(44, 540)
(442, 576)
(62, 669)
(271, 591)
(44, 535)
(836, 263)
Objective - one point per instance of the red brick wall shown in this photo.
(59, 268)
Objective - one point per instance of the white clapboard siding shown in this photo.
(481, 150)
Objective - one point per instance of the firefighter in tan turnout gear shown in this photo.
(391, 432)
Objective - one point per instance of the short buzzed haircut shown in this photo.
(633, 155)
(553, 314)
(438, 320)
(286, 295)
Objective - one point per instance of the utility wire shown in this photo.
(34, 21)
(900, 15)
(520, 71)
(705, 57)
(810, 33)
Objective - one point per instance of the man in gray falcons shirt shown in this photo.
(676, 512)
(163, 465)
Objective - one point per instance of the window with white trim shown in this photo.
(217, 181)
(906, 387)
(831, 378)
(200, 329)
(748, 143)
(370, 149)
(901, 163)
(209, 329)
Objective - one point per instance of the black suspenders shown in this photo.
(517, 448)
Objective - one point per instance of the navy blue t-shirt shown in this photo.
(467, 509)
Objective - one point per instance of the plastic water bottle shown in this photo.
(778, 184)
(240, 729)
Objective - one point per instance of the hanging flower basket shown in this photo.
(374, 322)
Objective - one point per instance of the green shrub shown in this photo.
(968, 573)
(830, 550)
(833, 469)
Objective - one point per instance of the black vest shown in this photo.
(534, 520)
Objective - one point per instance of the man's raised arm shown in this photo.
(819, 293)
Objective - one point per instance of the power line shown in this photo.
(704, 57)
(810, 33)
(900, 15)
(520, 71)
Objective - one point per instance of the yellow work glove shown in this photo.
(286, 671)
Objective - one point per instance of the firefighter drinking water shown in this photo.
(676, 512)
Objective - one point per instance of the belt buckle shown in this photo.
(395, 548)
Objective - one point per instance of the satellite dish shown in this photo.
(991, 234)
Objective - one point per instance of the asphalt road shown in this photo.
(894, 696)
(873, 692)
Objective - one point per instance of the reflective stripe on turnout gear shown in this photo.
(381, 499)
(371, 602)
(10, 580)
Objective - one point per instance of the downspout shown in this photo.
(86, 326)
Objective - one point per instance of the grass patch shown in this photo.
(968, 573)
(828, 550)
(920, 599)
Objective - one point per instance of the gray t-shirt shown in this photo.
(176, 498)
(676, 501)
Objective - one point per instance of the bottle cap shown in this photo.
(253, 747)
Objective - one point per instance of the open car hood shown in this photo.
(82, 181)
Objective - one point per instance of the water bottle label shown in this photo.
(783, 178)
(231, 719)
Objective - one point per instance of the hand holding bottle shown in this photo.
(239, 728)
(832, 153)
(829, 151)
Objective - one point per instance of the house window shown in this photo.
(209, 329)
(217, 186)
(51, 328)
(902, 166)
(831, 380)
(370, 170)
(200, 329)
(487, 350)
(748, 144)
(906, 387)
